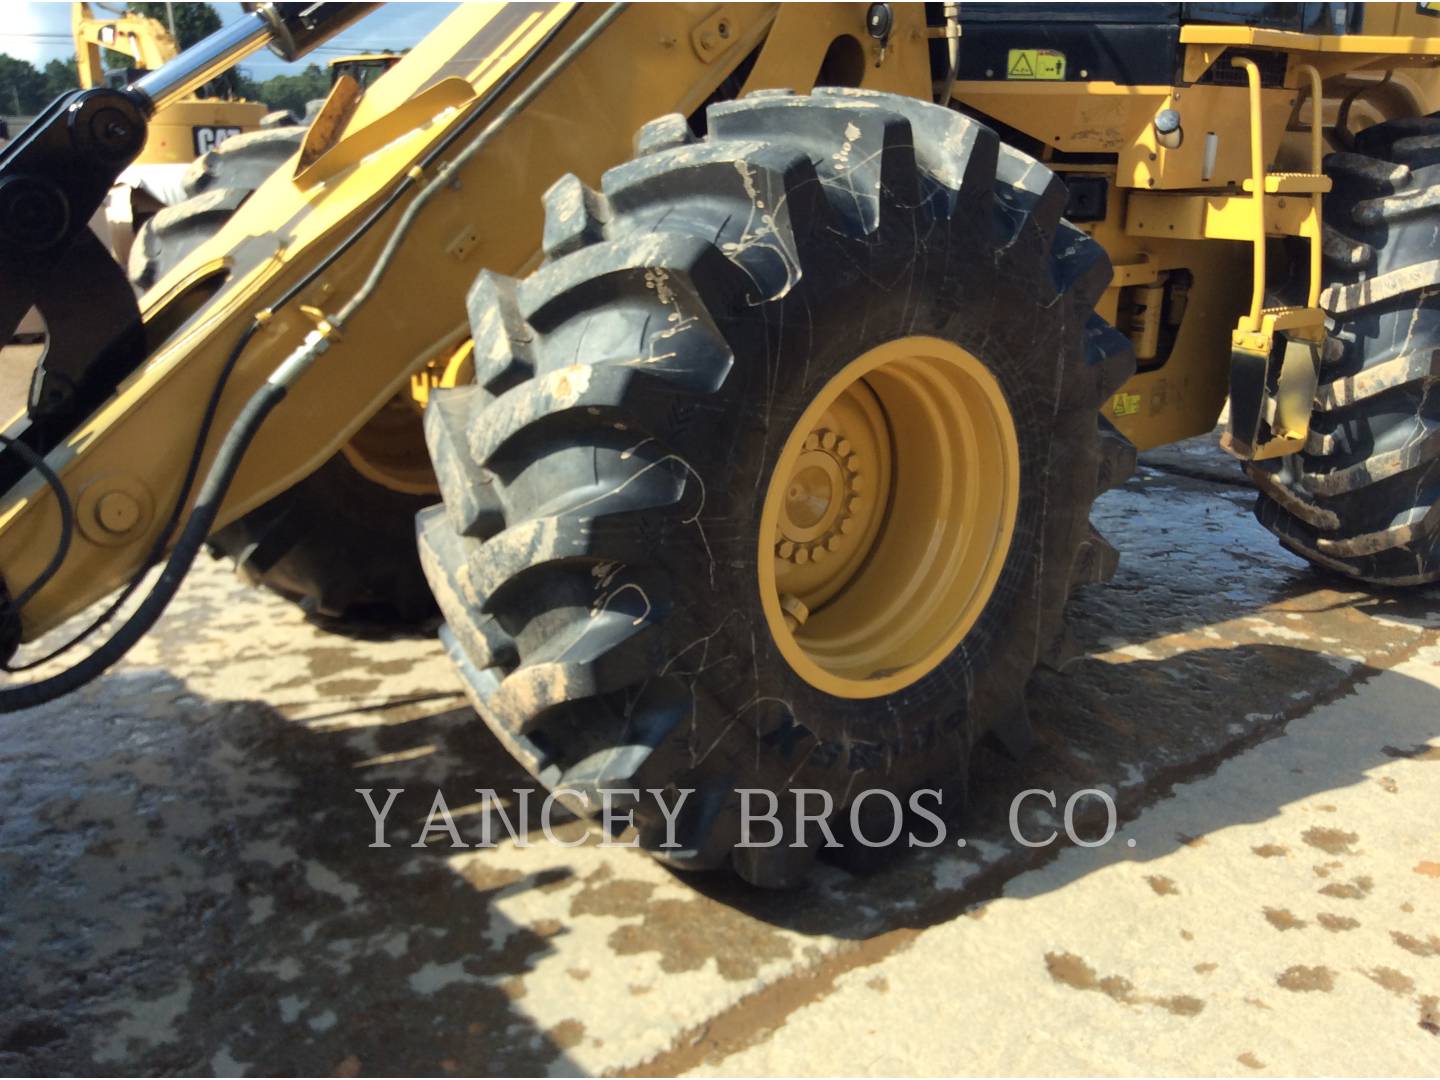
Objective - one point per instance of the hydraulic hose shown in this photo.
(247, 424)
(67, 519)
(197, 527)
(446, 173)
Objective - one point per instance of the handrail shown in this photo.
(1257, 173)
(1317, 155)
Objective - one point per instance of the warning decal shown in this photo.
(1035, 64)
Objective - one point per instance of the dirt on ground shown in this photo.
(190, 882)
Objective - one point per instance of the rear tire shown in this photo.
(1363, 498)
(339, 544)
(217, 183)
(597, 555)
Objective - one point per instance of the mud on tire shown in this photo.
(1363, 498)
(595, 556)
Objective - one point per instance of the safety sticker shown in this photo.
(1035, 64)
(1127, 404)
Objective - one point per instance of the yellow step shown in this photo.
(1293, 183)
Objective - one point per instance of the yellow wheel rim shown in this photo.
(389, 450)
(888, 517)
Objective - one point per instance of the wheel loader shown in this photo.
(735, 380)
(364, 68)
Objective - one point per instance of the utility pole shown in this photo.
(170, 18)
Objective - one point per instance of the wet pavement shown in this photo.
(187, 882)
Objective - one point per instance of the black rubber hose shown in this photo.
(67, 518)
(162, 539)
(479, 112)
(238, 439)
(446, 173)
(192, 539)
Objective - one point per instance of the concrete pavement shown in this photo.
(186, 883)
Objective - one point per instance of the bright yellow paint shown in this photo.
(583, 123)
(143, 39)
(888, 517)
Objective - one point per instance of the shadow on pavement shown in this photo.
(1134, 729)
(190, 904)
(186, 883)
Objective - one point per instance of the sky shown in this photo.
(40, 32)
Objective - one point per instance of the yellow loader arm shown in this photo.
(769, 423)
(311, 235)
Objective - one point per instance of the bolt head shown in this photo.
(117, 512)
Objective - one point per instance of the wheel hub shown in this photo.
(888, 517)
(822, 500)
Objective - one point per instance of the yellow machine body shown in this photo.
(364, 68)
(1186, 229)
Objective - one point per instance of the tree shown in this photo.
(245, 86)
(61, 76)
(22, 88)
(294, 91)
(193, 23)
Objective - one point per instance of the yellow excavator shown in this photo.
(188, 127)
(733, 381)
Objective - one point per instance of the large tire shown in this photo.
(1363, 498)
(596, 555)
(216, 183)
(337, 543)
